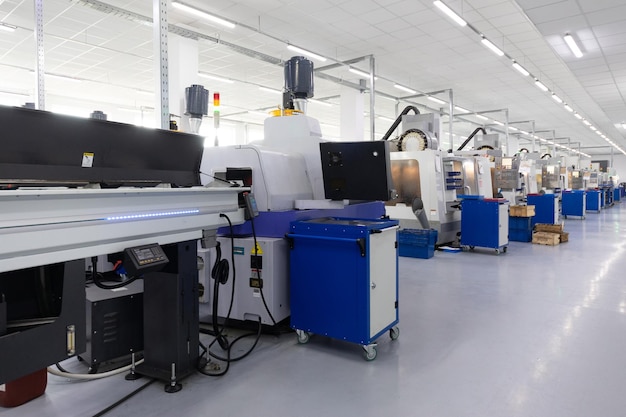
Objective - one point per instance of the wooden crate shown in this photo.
(546, 238)
(564, 237)
(522, 211)
(552, 228)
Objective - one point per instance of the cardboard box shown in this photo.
(551, 228)
(546, 238)
(522, 211)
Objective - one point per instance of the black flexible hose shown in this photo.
(98, 281)
(478, 129)
(398, 120)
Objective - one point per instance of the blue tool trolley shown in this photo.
(594, 200)
(573, 203)
(485, 223)
(520, 229)
(344, 280)
(546, 208)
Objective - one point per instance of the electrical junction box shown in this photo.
(268, 271)
(206, 258)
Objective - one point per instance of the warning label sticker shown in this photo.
(3, 388)
(87, 160)
(258, 250)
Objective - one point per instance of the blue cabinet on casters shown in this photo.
(573, 203)
(344, 280)
(485, 223)
(546, 208)
(594, 200)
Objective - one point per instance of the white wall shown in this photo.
(619, 163)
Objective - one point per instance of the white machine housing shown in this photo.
(277, 161)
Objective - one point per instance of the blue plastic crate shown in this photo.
(417, 243)
(520, 235)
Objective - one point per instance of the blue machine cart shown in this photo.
(594, 200)
(573, 203)
(617, 195)
(344, 280)
(520, 229)
(485, 223)
(546, 208)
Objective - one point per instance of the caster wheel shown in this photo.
(394, 333)
(303, 337)
(497, 251)
(369, 353)
(472, 248)
(504, 249)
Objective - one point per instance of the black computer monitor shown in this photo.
(356, 170)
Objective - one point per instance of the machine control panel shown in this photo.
(145, 258)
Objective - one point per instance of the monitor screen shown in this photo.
(356, 170)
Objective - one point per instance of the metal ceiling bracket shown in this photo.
(39, 70)
(160, 58)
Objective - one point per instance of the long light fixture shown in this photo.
(461, 109)
(63, 77)
(216, 78)
(450, 13)
(492, 46)
(520, 69)
(557, 98)
(541, 85)
(200, 13)
(323, 103)
(569, 40)
(568, 108)
(480, 116)
(270, 90)
(499, 123)
(403, 88)
(578, 116)
(436, 100)
(306, 53)
(7, 28)
(360, 73)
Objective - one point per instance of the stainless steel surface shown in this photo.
(405, 174)
(536, 332)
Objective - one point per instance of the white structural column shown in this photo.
(352, 116)
(183, 63)
(39, 69)
(161, 72)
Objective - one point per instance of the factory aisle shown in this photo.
(536, 332)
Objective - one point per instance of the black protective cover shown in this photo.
(43, 148)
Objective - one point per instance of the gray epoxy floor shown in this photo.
(539, 331)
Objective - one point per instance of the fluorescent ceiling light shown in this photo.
(523, 132)
(6, 27)
(403, 88)
(450, 13)
(386, 119)
(578, 116)
(557, 98)
(216, 78)
(498, 123)
(257, 113)
(480, 116)
(436, 100)
(63, 77)
(541, 85)
(586, 122)
(520, 69)
(461, 109)
(493, 47)
(202, 14)
(323, 103)
(593, 128)
(270, 90)
(145, 93)
(598, 132)
(569, 40)
(307, 53)
(568, 108)
(360, 73)
(513, 128)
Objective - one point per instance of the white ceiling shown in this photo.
(412, 42)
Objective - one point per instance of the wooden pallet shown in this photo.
(546, 238)
(522, 211)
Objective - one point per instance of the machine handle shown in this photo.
(359, 241)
